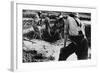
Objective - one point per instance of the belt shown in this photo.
(77, 38)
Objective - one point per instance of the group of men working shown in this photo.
(73, 30)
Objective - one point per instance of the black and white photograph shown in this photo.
(55, 36)
(52, 36)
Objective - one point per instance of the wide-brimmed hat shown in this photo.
(74, 14)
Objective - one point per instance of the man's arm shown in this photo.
(83, 29)
(66, 31)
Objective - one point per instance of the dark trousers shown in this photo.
(79, 45)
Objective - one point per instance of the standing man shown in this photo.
(74, 31)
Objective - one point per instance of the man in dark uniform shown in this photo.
(74, 31)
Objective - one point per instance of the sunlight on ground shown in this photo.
(72, 57)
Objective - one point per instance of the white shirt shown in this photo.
(72, 27)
